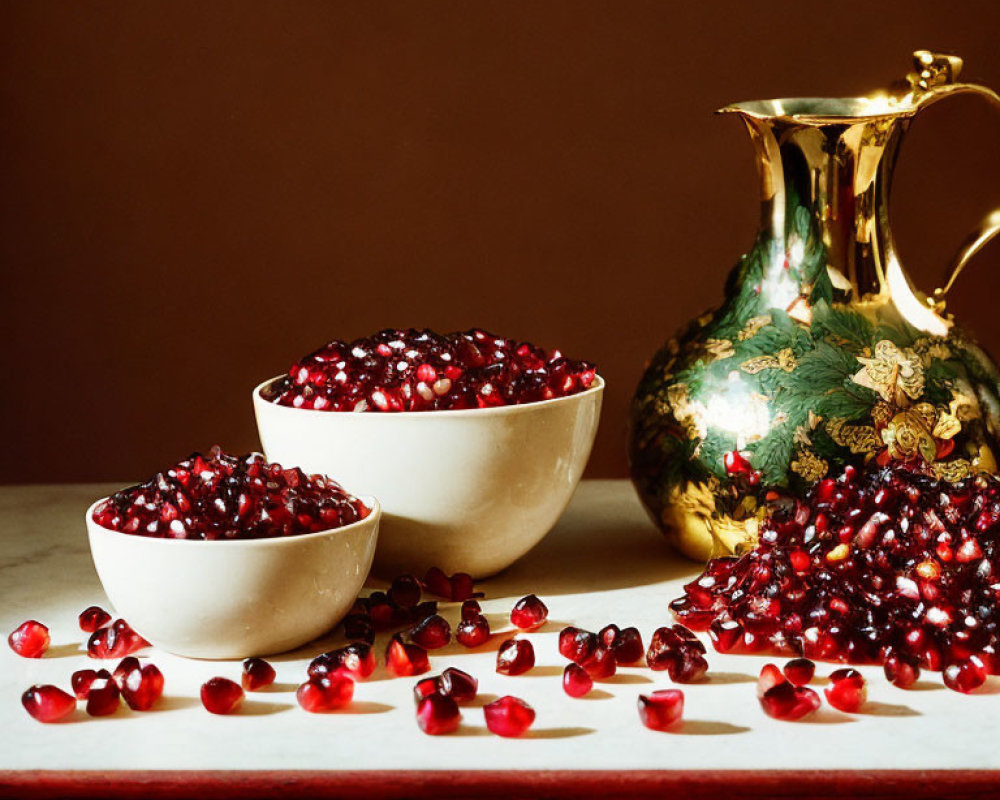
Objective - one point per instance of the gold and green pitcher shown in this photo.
(823, 353)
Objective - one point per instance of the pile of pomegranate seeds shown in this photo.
(221, 695)
(219, 496)
(257, 674)
(411, 370)
(888, 566)
(30, 639)
(515, 656)
(661, 710)
(508, 716)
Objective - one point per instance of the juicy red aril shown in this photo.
(30, 639)
(800, 671)
(787, 701)
(103, 698)
(515, 656)
(125, 666)
(508, 716)
(471, 610)
(93, 618)
(420, 370)
(355, 661)
(142, 687)
(359, 628)
(607, 635)
(770, 676)
(577, 645)
(457, 588)
(257, 674)
(462, 587)
(459, 686)
(221, 696)
(115, 641)
(432, 633)
(529, 613)
(901, 670)
(628, 647)
(325, 693)
(965, 676)
(662, 709)
(678, 651)
(220, 496)
(405, 659)
(847, 690)
(437, 582)
(405, 591)
(601, 664)
(82, 678)
(576, 682)
(426, 687)
(48, 703)
(438, 714)
(473, 632)
(888, 565)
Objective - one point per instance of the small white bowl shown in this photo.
(469, 490)
(239, 598)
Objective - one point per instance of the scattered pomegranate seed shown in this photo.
(405, 591)
(115, 641)
(576, 682)
(459, 686)
(325, 693)
(770, 676)
(142, 687)
(438, 714)
(508, 716)
(847, 690)
(800, 671)
(125, 666)
(786, 701)
(901, 670)
(427, 686)
(965, 676)
(103, 698)
(93, 618)
(628, 647)
(662, 709)
(432, 633)
(221, 696)
(515, 657)
(576, 644)
(473, 632)
(48, 703)
(355, 661)
(601, 664)
(677, 650)
(257, 674)
(413, 370)
(405, 659)
(529, 613)
(30, 639)
(359, 628)
(471, 610)
(82, 678)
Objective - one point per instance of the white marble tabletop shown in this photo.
(604, 562)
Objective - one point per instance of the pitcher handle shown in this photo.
(935, 78)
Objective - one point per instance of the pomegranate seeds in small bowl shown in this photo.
(472, 442)
(221, 556)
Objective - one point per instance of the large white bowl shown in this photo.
(239, 598)
(466, 490)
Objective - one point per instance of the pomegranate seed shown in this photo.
(770, 676)
(473, 632)
(965, 676)
(221, 696)
(607, 635)
(508, 716)
(601, 664)
(438, 714)
(662, 709)
(726, 634)
(93, 618)
(529, 613)
(427, 686)
(678, 651)
(257, 674)
(220, 496)
(576, 681)
(30, 639)
(515, 657)
(847, 690)
(433, 633)
(577, 645)
(355, 661)
(325, 693)
(901, 670)
(458, 587)
(789, 702)
(125, 666)
(800, 671)
(459, 686)
(103, 698)
(404, 659)
(82, 678)
(462, 587)
(405, 591)
(115, 641)
(628, 647)
(471, 610)
(359, 629)
(48, 703)
(141, 687)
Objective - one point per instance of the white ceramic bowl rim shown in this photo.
(375, 511)
(596, 387)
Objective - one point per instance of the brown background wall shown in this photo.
(195, 193)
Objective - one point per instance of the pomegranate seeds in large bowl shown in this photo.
(226, 557)
(889, 565)
(438, 428)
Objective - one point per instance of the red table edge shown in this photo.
(370, 785)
